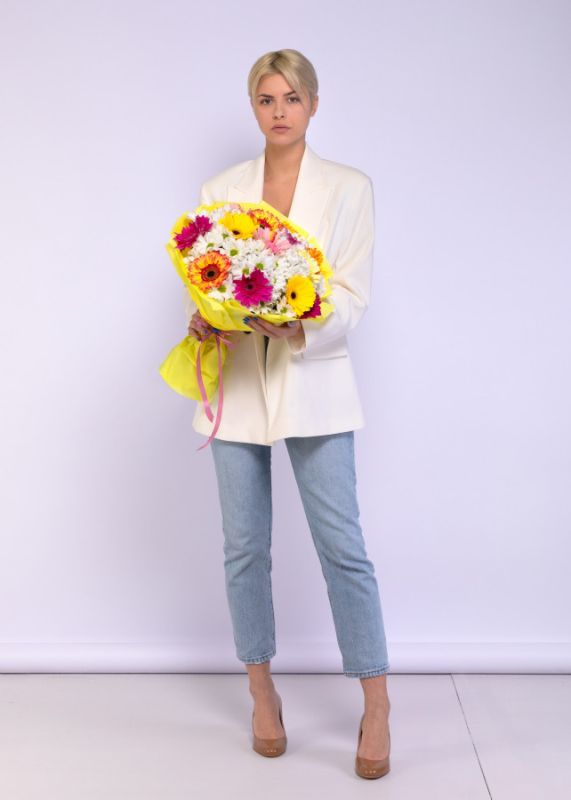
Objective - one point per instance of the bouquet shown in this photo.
(236, 260)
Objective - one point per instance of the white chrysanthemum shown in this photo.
(240, 246)
(247, 255)
(217, 294)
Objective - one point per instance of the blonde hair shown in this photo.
(293, 65)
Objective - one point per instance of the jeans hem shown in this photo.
(259, 660)
(370, 673)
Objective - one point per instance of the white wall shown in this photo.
(113, 115)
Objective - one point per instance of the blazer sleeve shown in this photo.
(352, 275)
(189, 305)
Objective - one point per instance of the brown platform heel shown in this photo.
(371, 767)
(270, 747)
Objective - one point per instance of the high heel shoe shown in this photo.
(270, 747)
(371, 767)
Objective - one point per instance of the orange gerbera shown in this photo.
(290, 226)
(209, 271)
(316, 254)
(309, 255)
(265, 219)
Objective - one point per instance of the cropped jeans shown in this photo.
(324, 469)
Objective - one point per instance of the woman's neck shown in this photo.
(282, 163)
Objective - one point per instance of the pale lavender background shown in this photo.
(113, 115)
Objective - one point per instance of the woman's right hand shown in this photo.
(199, 327)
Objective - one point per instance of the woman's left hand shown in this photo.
(282, 331)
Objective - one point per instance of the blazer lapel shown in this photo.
(307, 210)
(310, 195)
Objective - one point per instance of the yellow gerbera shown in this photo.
(241, 226)
(300, 294)
(209, 270)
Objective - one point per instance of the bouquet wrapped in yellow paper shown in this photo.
(237, 260)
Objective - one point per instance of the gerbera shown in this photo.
(275, 242)
(316, 256)
(300, 294)
(252, 289)
(315, 310)
(314, 268)
(290, 227)
(209, 270)
(265, 219)
(190, 233)
(241, 226)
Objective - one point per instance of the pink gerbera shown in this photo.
(315, 310)
(190, 233)
(277, 243)
(249, 290)
(291, 238)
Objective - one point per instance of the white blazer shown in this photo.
(304, 389)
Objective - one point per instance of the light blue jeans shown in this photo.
(324, 469)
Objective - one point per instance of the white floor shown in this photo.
(169, 737)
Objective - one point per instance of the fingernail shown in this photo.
(246, 320)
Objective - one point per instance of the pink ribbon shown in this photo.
(206, 405)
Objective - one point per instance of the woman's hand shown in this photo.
(282, 331)
(199, 327)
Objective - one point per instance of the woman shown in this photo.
(296, 382)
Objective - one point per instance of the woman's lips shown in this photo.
(280, 128)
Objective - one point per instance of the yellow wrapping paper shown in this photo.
(179, 367)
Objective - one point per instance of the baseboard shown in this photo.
(293, 657)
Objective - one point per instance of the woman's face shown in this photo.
(276, 103)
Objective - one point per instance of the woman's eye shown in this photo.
(265, 100)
